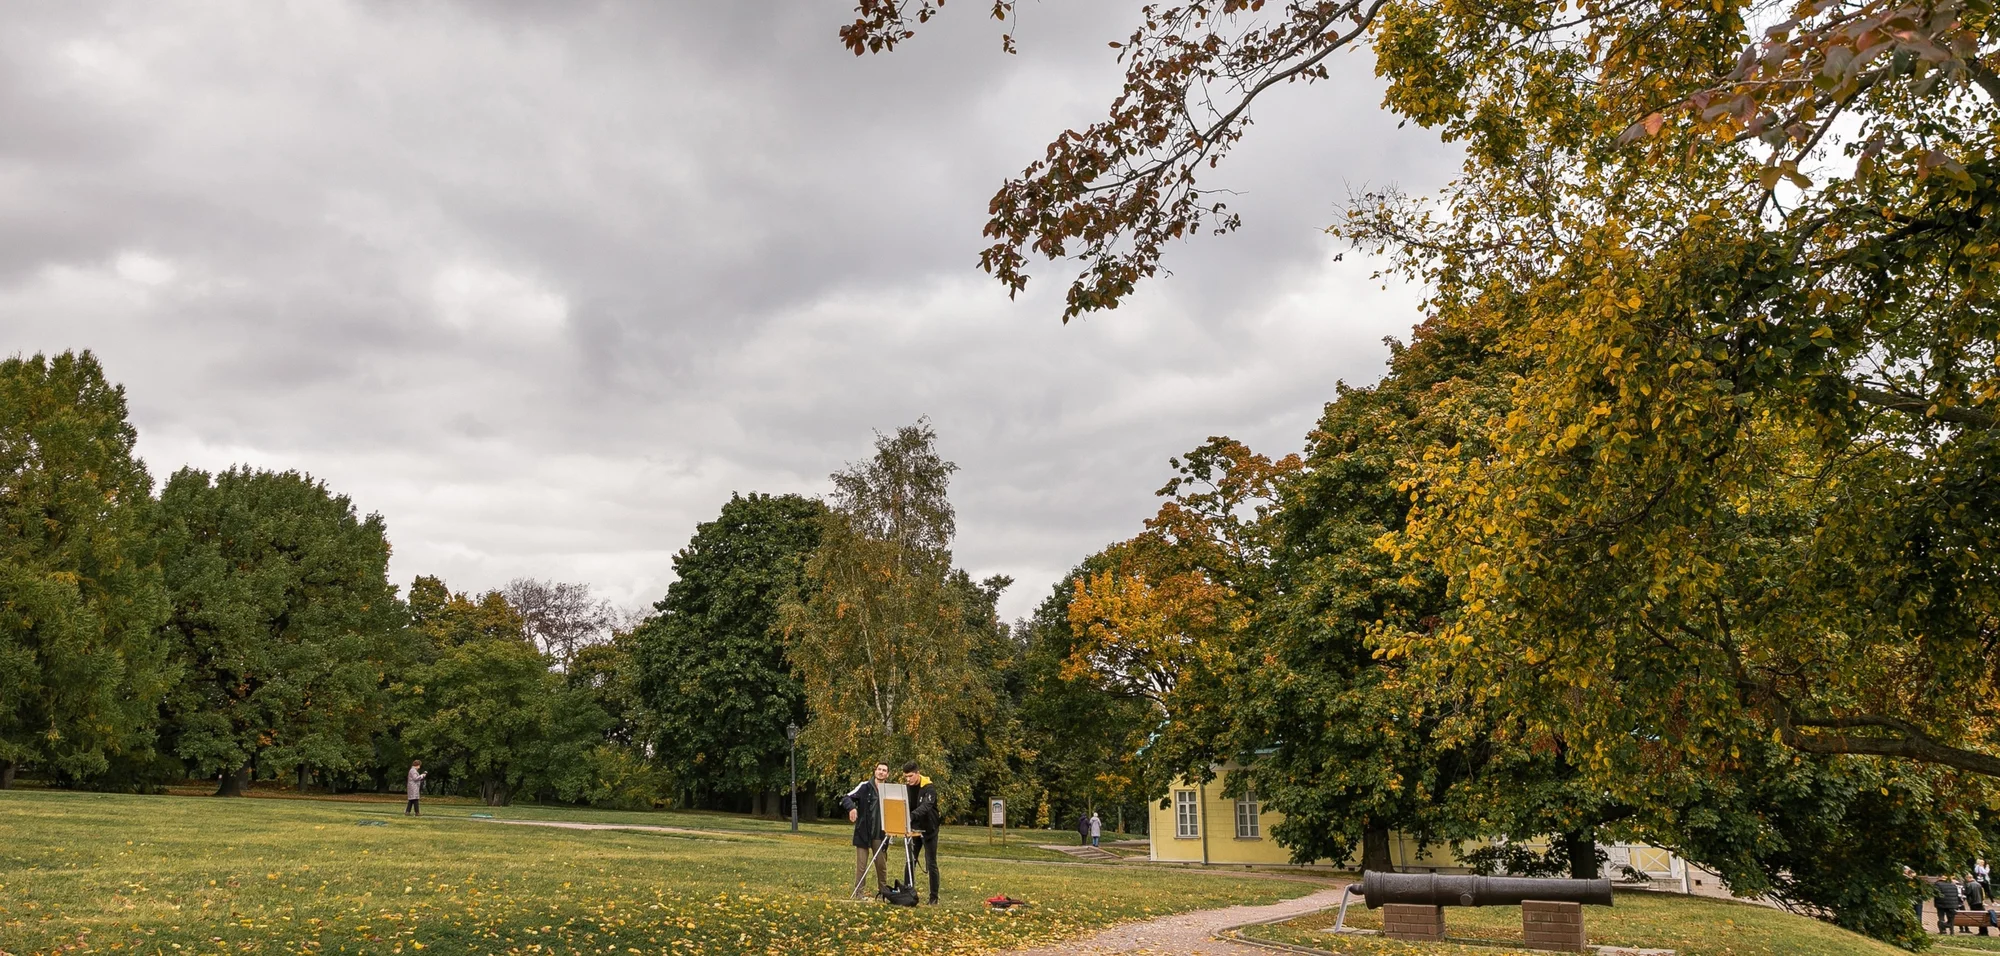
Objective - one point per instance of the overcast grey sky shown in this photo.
(543, 282)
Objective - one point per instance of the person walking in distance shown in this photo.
(1096, 829)
(924, 820)
(864, 809)
(1083, 828)
(413, 789)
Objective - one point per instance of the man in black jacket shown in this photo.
(1946, 899)
(924, 820)
(864, 809)
(1975, 902)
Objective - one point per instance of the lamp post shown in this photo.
(792, 736)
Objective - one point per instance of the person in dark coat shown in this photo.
(1083, 829)
(864, 809)
(925, 821)
(1975, 902)
(1947, 899)
(1912, 876)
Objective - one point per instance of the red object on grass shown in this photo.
(1003, 902)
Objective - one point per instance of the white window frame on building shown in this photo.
(1187, 815)
(1248, 825)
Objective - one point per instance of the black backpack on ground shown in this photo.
(900, 895)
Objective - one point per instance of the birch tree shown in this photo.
(878, 636)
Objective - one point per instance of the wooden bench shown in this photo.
(1968, 919)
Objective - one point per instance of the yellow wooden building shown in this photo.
(1199, 825)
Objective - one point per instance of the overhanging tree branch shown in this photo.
(1903, 741)
(1923, 407)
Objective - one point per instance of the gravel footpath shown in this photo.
(1188, 934)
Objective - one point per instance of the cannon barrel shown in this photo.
(1432, 889)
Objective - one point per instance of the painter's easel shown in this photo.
(892, 821)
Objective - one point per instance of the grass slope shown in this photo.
(1692, 925)
(184, 875)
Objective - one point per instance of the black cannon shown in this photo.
(1431, 889)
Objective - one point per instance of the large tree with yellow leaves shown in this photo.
(1749, 485)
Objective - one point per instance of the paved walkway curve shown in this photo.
(1188, 934)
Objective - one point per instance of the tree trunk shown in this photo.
(7, 774)
(1375, 850)
(303, 778)
(235, 782)
(1580, 847)
(495, 793)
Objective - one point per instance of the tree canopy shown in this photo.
(81, 676)
(710, 663)
(484, 706)
(284, 622)
(879, 636)
(561, 617)
(1724, 543)
(1742, 252)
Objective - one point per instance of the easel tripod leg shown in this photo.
(880, 845)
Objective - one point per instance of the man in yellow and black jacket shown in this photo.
(924, 820)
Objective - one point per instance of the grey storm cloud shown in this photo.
(544, 282)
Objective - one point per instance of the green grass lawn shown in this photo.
(1019, 844)
(1694, 926)
(186, 875)
(964, 841)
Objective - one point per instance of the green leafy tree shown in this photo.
(1746, 244)
(82, 672)
(991, 753)
(606, 670)
(1334, 733)
(1164, 617)
(879, 636)
(442, 619)
(709, 667)
(1829, 835)
(487, 710)
(623, 773)
(284, 621)
(1086, 743)
(1744, 490)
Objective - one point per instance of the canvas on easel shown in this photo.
(893, 802)
(895, 809)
